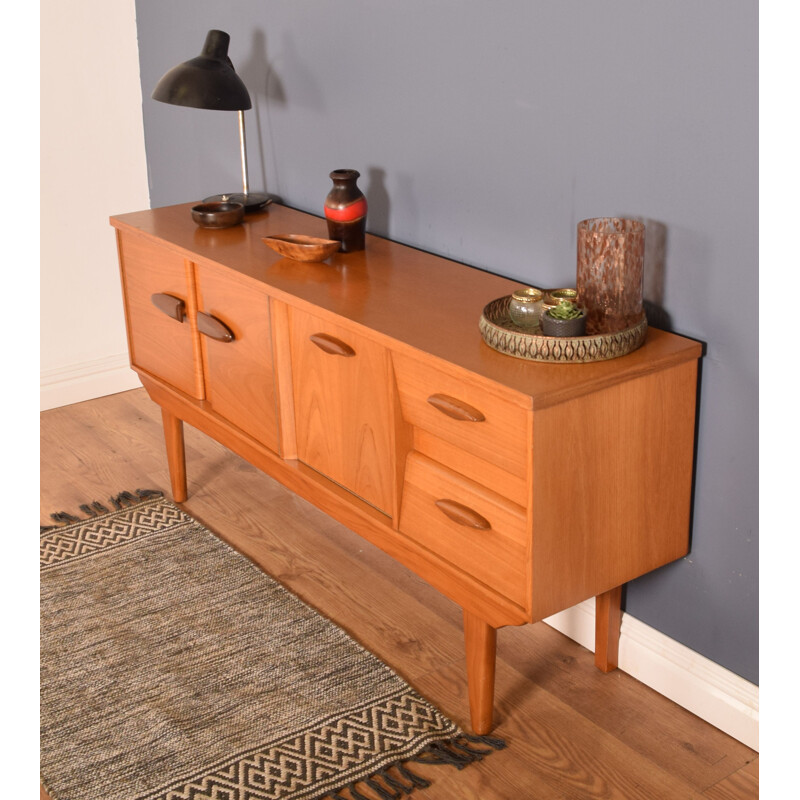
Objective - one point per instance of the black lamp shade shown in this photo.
(208, 81)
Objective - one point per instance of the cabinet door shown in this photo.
(157, 305)
(343, 413)
(233, 319)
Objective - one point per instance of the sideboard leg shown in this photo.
(481, 641)
(176, 458)
(607, 619)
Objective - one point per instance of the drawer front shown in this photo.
(238, 369)
(464, 414)
(474, 529)
(157, 307)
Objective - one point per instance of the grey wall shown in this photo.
(484, 131)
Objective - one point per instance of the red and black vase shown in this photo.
(346, 211)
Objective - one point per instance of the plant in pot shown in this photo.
(565, 319)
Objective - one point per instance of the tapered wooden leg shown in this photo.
(607, 619)
(481, 642)
(176, 457)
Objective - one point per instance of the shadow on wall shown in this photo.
(402, 200)
(655, 269)
(377, 202)
(264, 85)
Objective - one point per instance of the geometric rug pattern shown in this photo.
(173, 668)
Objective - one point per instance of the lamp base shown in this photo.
(252, 201)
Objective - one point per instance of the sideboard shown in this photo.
(362, 383)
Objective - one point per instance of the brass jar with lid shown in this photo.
(552, 297)
(525, 307)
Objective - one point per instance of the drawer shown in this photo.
(463, 413)
(476, 530)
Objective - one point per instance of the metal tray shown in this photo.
(500, 333)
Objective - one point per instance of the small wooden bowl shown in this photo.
(302, 248)
(218, 215)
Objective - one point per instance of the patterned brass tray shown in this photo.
(503, 335)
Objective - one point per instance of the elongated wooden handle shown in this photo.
(213, 328)
(456, 409)
(332, 345)
(463, 515)
(172, 306)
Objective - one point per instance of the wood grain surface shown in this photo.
(238, 374)
(442, 299)
(600, 458)
(343, 408)
(158, 342)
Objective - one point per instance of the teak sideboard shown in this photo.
(516, 488)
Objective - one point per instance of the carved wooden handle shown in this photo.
(172, 306)
(463, 515)
(214, 328)
(332, 345)
(456, 409)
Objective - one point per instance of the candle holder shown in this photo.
(525, 307)
(610, 273)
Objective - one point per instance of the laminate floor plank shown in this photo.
(556, 746)
(668, 734)
(572, 732)
(742, 785)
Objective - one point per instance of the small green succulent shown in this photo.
(566, 309)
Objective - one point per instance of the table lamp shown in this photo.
(210, 81)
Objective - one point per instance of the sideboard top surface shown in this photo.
(425, 301)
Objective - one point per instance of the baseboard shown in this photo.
(713, 693)
(85, 381)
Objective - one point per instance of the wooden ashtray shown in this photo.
(302, 248)
(218, 214)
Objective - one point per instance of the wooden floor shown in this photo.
(571, 731)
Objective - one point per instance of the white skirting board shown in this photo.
(713, 693)
(85, 381)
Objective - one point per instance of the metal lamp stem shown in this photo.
(243, 150)
(252, 201)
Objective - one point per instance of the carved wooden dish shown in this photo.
(500, 333)
(302, 248)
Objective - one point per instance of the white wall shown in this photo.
(92, 166)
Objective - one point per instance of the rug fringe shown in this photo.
(95, 508)
(381, 790)
(395, 784)
(416, 780)
(385, 786)
(124, 499)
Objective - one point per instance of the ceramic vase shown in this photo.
(346, 211)
(610, 273)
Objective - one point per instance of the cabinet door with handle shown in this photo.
(342, 402)
(158, 303)
(233, 321)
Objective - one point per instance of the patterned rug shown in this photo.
(173, 668)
